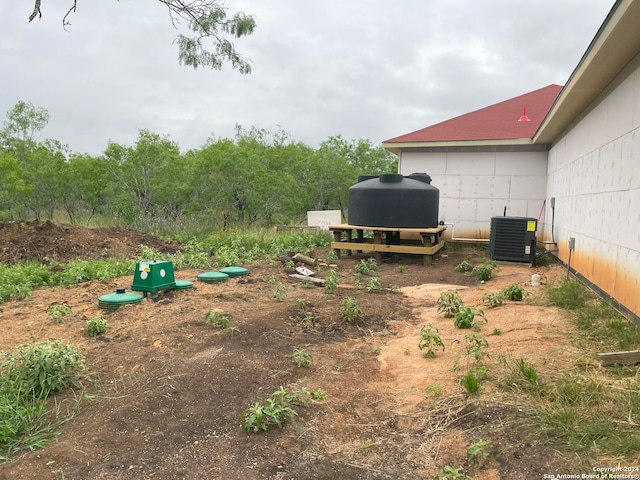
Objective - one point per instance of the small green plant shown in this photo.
(317, 394)
(349, 310)
(471, 382)
(332, 257)
(463, 266)
(301, 303)
(434, 389)
(477, 344)
(96, 325)
(376, 349)
(275, 410)
(366, 267)
(514, 292)
(402, 268)
(373, 285)
(216, 319)
(497, 331)
(301, 358)
(58, 312)
(449, 303)
(466, 317)
(279, 292)
(492, 299)
(429, 339)
(331, 282)
(528, 372)
(407, 351)
(336, 367)
(307, 282)
(484, 271)
(39, 369)
(477, 452)
(450, 473)
(289, 266)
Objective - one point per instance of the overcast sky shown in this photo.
(372, 69)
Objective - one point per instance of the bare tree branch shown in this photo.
(36, 11)
(64, 19)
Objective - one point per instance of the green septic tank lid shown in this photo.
(112, 301)
(212, 277)
(235, 271)
(182, 285)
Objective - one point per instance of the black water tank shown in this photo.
(394, 201)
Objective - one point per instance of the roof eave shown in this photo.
(396, 147)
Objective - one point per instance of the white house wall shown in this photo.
(475, 186)
(594, 174)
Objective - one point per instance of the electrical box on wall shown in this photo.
(153, 276)
(513, 239)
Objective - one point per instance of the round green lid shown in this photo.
(182, 285)
(235, 271)
(212, 277)
(112, 301)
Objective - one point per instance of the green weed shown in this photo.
(373, 285)
(492, 299)
(58, 312)
(450, 473)
(466, 317)
(429, 340)
(332, 257)
(463, 266)
(349, 310)
(449, 303)
(274, 410)
(216, 319)
(301, 358)
(331, 282)
(514, 292)
(96, 325)
(366, 267)
(484, 271)
(279, 292)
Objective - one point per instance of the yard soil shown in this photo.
(168, 391)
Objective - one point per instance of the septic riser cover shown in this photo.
(153, 275)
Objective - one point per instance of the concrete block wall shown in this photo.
(477, 185)
(594, 174)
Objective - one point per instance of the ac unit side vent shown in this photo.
(513, 239)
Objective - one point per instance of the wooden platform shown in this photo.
(416, 241)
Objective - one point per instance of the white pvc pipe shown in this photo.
(453, 237)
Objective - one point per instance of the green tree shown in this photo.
(210, 26)
(13, 188)
(21, 128)
(44, 170)
(87, 186)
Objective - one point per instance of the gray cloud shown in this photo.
(363, 68)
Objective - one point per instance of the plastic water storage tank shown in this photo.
(394, 201)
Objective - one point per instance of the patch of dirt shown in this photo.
(169, 391)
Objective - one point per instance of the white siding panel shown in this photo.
(528, 187)
(533, 163)
(415, 162)
(620, 111)
(478, 163)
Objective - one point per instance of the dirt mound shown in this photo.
(36, 240)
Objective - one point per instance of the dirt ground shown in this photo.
(168, 391)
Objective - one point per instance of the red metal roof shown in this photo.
(495, 122)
